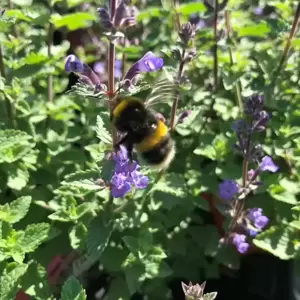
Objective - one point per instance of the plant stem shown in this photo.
(111, 67)
(237, 84)
(287, 46)
(49, 45)
(176, 92)
(215, 47)
(8, 104)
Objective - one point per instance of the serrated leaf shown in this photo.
(18, 176)
(102, 133)
(16, 211)
(210, 296)
(14, 144)
(258, 30)
(99, 233)
(190, 8)
(35, 234)
(77, 235)
(10, 278)
(278, 240)
(72, 290)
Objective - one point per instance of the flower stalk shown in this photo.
(49, 46)
(287, 46)
(237, 84)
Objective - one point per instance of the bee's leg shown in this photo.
(123, 140)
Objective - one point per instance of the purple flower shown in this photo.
(148, 63)
(73, 64)
(87, 75)
(242, 247)
(254, 213)
(267, 164)
(257, 218)
(239, 240)
(124, 17)
(120, 185)
(184, 115)
(261, 222)
(126, 174)
(227, 189)
(139, 180)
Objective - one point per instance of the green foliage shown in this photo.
(58, 221)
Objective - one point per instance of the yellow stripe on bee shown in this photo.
(156, 136)
(121, 106)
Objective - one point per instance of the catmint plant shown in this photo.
(250, 222)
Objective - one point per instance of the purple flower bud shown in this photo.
(121, 12)
(187, 32)
(261, 222)
(73, 64)
(262, 118)
(105, 18)
(148, 63)
(254, 104)
(267, 164)
(120, 185)
(227, 189)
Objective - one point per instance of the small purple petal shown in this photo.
(261, 222)
(238, 239)
(120, 185)
(252, 232)
(254, 213)
(267, 164)
(148, 63)
(139, 180)
(242, 247)
(258, 11)
(73, 64)
(227, 189)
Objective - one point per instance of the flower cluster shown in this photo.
(126, 175)
(253, 221)
(148, 63)
(124, 17)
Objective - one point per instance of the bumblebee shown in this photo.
(143, 131)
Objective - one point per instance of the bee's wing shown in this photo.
(162, 90)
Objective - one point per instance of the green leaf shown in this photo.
(9, 280)
(278, 240)
(102, 133)
(190, 8)
(99, 233)
(14, 144)
(16, 211)
(35, 282)
(210, 296)
(35, 234)
(78, 235)
(134, 274)
(73, 21)
(256, 30)
(18, 176)
(72, 290)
